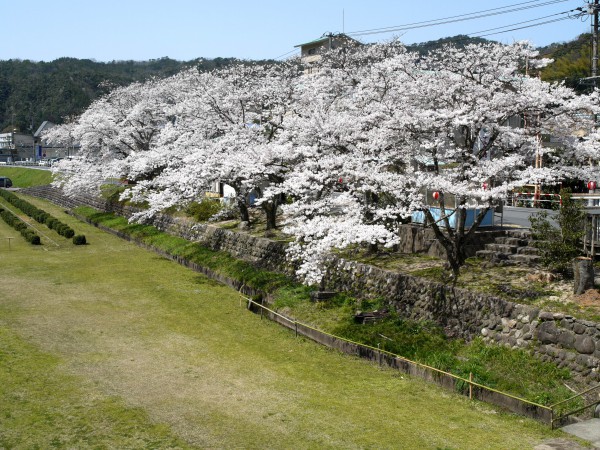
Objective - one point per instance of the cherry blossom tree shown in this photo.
(111, 132)
(355, 146)
(391, 126)
(224, 130)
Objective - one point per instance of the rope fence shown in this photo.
(464, 386)
(384, 358)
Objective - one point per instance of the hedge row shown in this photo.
(20, 226)
(39, 215)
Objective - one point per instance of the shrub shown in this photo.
(27, 233)
(79, 239)
(558, 246)
(38, 215)
(204, 210)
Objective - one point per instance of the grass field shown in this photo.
(109, 346)
(25, 177)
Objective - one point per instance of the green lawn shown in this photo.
(24, 177)
(110, 346)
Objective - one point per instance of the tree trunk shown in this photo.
(583, 269)
(243, 207)
(270, 209)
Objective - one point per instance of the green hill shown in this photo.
(571, 61)
(31, 92)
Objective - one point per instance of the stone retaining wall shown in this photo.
(559, 338)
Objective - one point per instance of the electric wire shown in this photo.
(476, 15)
(520, 28)
(523, 22)
(285, 54)
(453, 19)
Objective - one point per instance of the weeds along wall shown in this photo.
(559, 338)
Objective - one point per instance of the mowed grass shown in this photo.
(110, 346)
(23, 177)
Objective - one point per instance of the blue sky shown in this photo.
(186, 29)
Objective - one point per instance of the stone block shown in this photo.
(547, 333)
(566, 339)
(584, 344)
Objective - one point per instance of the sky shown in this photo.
(140, 30)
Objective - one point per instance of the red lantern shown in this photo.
(341, 180)
(436, 195)
(591, 185)
(484, 186)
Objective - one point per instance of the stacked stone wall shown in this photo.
(559, 338)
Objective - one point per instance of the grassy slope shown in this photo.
(492, 366)
(111, 338)
(23, 177)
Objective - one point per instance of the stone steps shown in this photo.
(511, 249)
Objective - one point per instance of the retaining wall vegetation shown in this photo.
(559, 338)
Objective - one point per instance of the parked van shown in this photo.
(5, 182)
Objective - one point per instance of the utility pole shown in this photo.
(594, 13)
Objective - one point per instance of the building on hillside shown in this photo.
(312, 52)
(15, 146)
(47, 151)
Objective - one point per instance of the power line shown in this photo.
(519, 28)
(286, 54)
(459, 18)
(525, 21)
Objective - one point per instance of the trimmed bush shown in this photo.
(37, 214)
(205, 209)
(79, 239)
(27, 233)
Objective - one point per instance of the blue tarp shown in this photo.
(488, 220)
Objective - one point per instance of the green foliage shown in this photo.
(508, 370)
(79, 239)
(37, 214)
(571, 62)
(411, 339)
(460, 41)
(514, 371)
(558, 246)
(27, 233)
(204, 210)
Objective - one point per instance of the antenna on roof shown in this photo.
(343, 22)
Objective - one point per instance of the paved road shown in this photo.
(519, 217)
(588, 430)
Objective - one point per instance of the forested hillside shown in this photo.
(31, 92)
(460, 40)
(571, 62)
